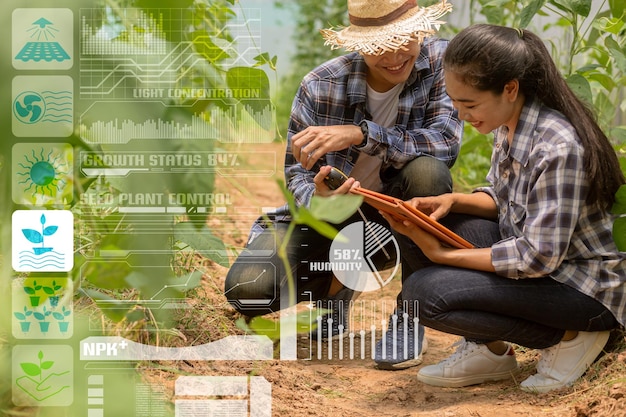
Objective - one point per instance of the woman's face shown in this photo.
(391, 68)
(485, 110)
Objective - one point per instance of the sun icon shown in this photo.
(42, 175)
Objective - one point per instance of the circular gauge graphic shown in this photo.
(29, 107)
(366, 258)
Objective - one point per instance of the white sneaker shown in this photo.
(562, 364)
(470, 364)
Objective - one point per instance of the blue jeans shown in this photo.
(483, 307)
(257, 278)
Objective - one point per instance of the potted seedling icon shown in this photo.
(43, 324)
(36, 237)
(52, 292)
(23, 318)
(60, 316)
(32, 292)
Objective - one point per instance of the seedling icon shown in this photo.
(36, 237)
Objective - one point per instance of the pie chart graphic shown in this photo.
(365, 256)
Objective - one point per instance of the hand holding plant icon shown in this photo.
(36, 237)
(35, 384)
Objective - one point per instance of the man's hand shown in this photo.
(322, 190)
(316, 141)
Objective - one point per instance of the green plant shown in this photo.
(322, 211)
(23, 318)
(61, 316)
(32, 292)
(53, 292)
(42, 316)
(121, 288)
(34, 369)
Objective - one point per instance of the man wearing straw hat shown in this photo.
(379, 114)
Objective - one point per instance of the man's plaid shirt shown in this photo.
(335, 94)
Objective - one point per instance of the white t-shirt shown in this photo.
(384, 110)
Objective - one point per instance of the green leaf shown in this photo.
(202, 241)
(265, 327)
(619, 207)
(529, 12)
(616, 53)
(111, 307)
(207, 48)
(618, 133)
(31, 369)
(291, 201)
(610, 25)
(135, 315)
(335, 209)
(581, 87)
(619, 233)
(32, 235)
(251, 87)
(47, 364)
(305, 321)
(50, 230)
(617, 7)
(320, 227)
(581, 7)
(107, 275)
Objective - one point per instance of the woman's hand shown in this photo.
(429, 244)
(436, 207)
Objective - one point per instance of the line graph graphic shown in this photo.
(113, 64)
(137, 66)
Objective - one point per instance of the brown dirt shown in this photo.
(354, 387)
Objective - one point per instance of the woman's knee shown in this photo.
(421, 286)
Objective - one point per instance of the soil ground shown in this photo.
(323, 386)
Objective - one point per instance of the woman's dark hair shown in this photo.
(488, 56)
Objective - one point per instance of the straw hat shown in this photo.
(379, 26)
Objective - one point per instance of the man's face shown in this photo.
(391, 68)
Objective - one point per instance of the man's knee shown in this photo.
(245, 289)
(424, 176)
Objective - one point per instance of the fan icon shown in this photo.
(29, 107)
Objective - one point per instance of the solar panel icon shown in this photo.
(42, 39)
